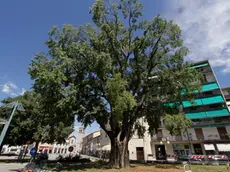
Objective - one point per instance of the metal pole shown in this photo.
(6, 126)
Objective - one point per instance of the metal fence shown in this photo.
(209, 159)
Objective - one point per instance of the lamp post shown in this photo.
(15, 106)
(165, 141)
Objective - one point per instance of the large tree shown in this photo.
(114, 72)
(34, 124)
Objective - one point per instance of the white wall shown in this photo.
(169, 151)
(166, 134)
(104, 139)
(133, 143)
(211, 133)
(191, 133)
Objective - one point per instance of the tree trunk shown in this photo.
(119, 156)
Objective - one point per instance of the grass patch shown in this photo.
(92, 167)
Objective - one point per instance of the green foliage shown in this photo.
(102, 72)
(120, 99)
(34, 124)
(176, 124)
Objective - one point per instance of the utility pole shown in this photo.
(15, 106)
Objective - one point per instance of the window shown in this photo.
(65, 150)
(199, 133)
(223, 133)
(59, 150)
(197, 149)
(50, 151)
(159, 134)
(186, 146)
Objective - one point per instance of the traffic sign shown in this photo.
(71, 149)
(33, 151)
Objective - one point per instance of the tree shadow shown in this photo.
(83, 166)
(15, 170)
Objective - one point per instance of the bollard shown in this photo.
(187, 168)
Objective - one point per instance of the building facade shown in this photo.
(210, 117)
(139, 148)
(91, 143)
(226, 92)
(56, 149)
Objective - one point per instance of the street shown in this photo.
(9, 167)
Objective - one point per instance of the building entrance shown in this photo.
(160, 152)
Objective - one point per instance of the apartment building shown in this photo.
(210, 117)
(226, 92)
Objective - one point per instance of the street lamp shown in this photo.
(165, 141)
(14, 106)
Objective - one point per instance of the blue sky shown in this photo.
(25, 25)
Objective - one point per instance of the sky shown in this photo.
(24, 27)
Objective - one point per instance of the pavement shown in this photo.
(11, 167)
(14, 167)
(8, 157)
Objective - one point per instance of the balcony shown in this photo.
(158, 137)
(211, 121)
(203, 101)
(205, 88)
(224, 136)
(208, 114)
(212, 137)
(200, 137)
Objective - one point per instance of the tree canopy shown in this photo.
(115, 71)
(34, 124)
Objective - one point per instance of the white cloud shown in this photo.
(5, 88)
(9, 88)
(23, 91)
(206, 29)
(12, 85)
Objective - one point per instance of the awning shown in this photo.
(223, 147)
(209, 147)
